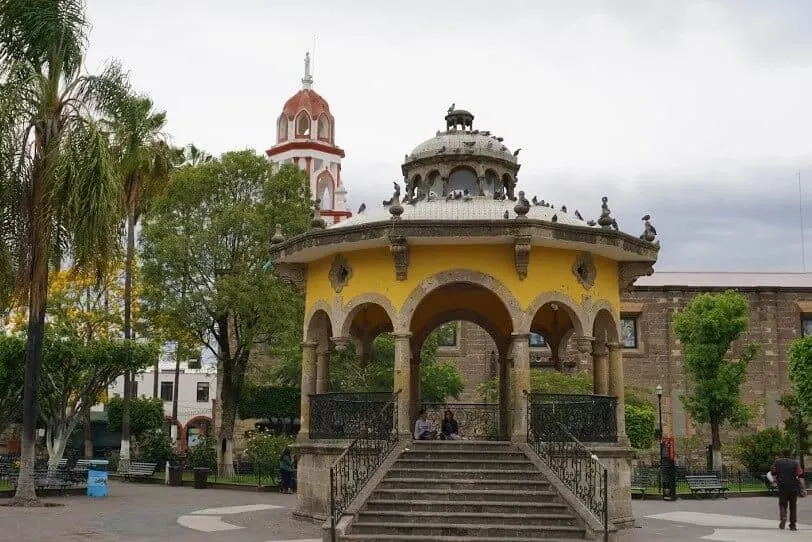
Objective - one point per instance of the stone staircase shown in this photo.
(464, 491)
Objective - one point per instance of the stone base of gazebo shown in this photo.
(618, 461)
(315, 457)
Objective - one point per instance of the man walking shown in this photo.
(790, 479)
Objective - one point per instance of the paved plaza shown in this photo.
(151, 513)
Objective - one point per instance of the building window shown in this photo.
(303, 124)
(202, 392)
(536, 340)
(806, 325)
(628, 331)
(166, 391)
(447, 335)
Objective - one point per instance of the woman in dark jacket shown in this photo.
(451, 429)
(287, 473)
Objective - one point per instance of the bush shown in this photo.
(112, 457)
(156, 447)
(640, 425)
(269, 402)
(264, 450)
(203, 454)
(757, 451)
(146, 414)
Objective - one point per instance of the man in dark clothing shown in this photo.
(790, 480)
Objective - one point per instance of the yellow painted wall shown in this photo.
(550, 270)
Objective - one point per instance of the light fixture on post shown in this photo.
(659, 391)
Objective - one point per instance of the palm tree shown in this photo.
(60, 180)
(144, 160)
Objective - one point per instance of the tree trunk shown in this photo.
(88, 430)
(225, 448)
(156, 377)
(124, 456)
(57, 433)
(26, 494)
(716, 446)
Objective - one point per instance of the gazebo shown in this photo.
(461, 242)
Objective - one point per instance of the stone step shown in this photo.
(439, 453)
(491, 518)
(471, 530)
(472, 463)
(451, 507)
(422, 538)
(463, 444)
(444, 495)
(479, 474)
(460, 483)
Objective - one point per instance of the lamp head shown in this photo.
(659, 390)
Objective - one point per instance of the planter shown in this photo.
(175, 476)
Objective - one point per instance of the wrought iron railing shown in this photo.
(476, 421)
(353, 468)
(344, 415)
(590, 418)
(573, 463)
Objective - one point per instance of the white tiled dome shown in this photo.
(461, 143)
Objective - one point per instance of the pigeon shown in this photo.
(516, 152)
(554, 219)
(578, 215)
(591, 223)
(362, 208)
(453, 105)
(563, 208)
(441, 150)
(469, 143)
(499, 139)
(614, 225)
(506, 215)
(535, 200)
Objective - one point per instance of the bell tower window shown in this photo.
(303, 124)
(325, 190)
(324, 128)
(282, 128)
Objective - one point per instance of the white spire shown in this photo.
(307, 80)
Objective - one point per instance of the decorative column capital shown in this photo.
(584, 343)
(340, 343)
(614, 347)
(403, 336)
(518, 336)
(309, 344)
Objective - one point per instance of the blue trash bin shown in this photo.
(97, 478)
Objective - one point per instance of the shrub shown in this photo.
(269, 402)
(203, 454)
(640, 425)
(757, 451)
(264, 450)
(156, 447)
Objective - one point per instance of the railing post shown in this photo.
(605, 505)
(332, 506)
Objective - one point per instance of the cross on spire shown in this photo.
(307, 80)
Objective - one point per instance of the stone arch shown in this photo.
(325, 128)
(356, 303)
(601, 312)
(325, 184)
(282, 128)
(303, 123)
(574, 311)
(456, 276)
(605, 327)
(319, 305)
(502, 343)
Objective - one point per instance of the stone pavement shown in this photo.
(152, 513)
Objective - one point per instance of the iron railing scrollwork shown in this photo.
(356, 465)
(572, 462)
(590, 418)
(476, 421)
(343, 415)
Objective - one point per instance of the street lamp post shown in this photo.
(659, 390)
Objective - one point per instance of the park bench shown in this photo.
(140, 470)
(58, 479)
(641, 482)
(707, 484)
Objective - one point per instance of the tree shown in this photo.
(797, 425)
(207, 238)
(58, 176)
(146, 414)
(707, 328)
(757, 451)
(800, 373)
(12, 362)
(143, 160)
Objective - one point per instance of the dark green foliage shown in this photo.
(265, 449)
(12, 363)
(757, 451)
(146, 414)
(203, 454)
(797, 424)
(800, 372)
(156, 447)
(641, 422)
(266, 402)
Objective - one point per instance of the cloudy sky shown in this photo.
(695, 111)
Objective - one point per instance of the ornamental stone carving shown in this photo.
(294, 274)
(628, 272)
(340, 273)
(584, 270)
(521, 255)
(399, 248)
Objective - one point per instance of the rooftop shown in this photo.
(727, 279)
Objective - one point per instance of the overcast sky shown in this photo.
(694, 111)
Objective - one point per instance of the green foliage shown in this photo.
(264, 450)
(800, 372)
(757, 451)
(707, 327)
(156, 447)
(640, 425)
(146, 414)
(797, 425)
(12, 364)
(203, 454)
(264, 402)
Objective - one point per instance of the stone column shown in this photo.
(308, 386)
(521, 384)
(322, 372)
(600, 368)
(504, 398)
(583, 344)
(403, 381)
(414, 389)
(616, 387)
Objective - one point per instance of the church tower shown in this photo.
(305, 136)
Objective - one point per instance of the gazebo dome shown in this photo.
(462, 144)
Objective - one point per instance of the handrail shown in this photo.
(575, 465)
(348, 475)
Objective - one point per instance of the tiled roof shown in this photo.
(310, 101)
(725, 279)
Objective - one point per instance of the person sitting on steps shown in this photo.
(450, 428)
(287, 473)
(423, 428)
